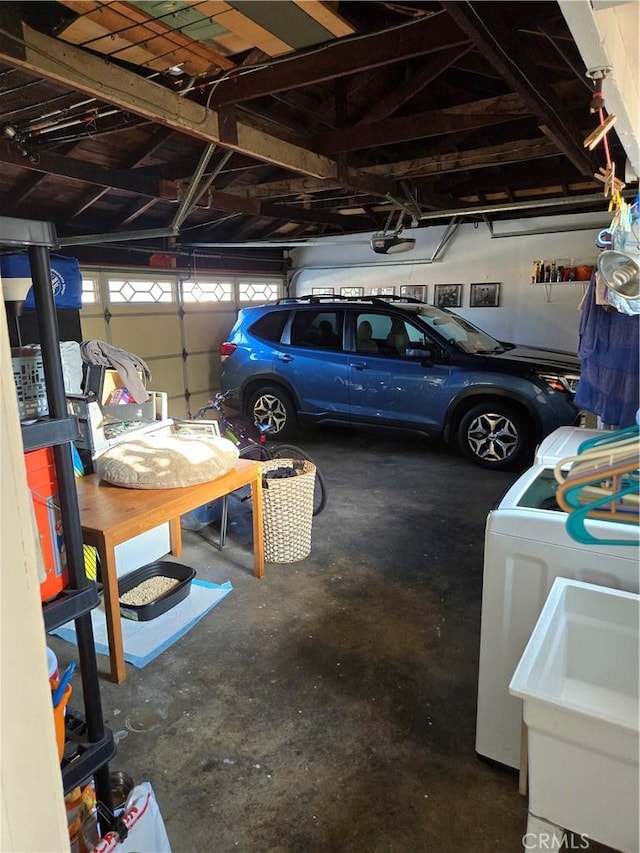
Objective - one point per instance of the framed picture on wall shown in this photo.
(388, 290)
(322, 291)
(352, 291)
(447, 295)
(485, 294)
(415, 291)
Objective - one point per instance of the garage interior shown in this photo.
(200, 156)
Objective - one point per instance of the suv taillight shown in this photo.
(227, 349)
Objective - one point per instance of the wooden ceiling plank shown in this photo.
(494, 43)
(132, 25)
(208, 8)
(80, 7)
(137, 17)
(77, 69)
(342, 57)
(253, 33)
(327, 17)
(84, 30)
(110, 33)
(230, 44)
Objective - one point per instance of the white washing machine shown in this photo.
(526, 549)
(563, 443)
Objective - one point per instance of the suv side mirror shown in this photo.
(427, 352)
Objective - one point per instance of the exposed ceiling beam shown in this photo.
(137, 210)
(92, 173)
(139, 156)
(426, 167)
(476, 114)
(39, 54)
(475, 158)
(253, 207)
(432, 68)
(496, 45)
(416, 38)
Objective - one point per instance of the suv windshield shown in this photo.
(458, 331)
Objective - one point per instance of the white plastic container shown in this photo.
(52, 665)
(578, 678)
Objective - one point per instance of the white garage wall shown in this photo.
(532, 314)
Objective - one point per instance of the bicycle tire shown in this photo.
(290, 451)
(256, 451)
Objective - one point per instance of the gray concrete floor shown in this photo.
(331, 705)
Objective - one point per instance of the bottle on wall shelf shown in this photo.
(560, 270)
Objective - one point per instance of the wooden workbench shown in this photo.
(110, 515)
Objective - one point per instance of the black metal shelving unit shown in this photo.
(89, 743)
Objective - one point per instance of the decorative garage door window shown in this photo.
(207, 291)
(90, 291)
(140, 290)
(258, 290)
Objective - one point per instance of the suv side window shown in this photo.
(269, 327)
(317, 329)
(386, 334)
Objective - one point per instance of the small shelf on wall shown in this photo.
(549, 285)
(560, 271)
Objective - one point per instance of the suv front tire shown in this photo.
(495, 435)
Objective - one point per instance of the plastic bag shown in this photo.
(147, 833)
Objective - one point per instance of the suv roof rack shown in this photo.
(316, 298)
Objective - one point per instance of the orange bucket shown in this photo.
(41, 477)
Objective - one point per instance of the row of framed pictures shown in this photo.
(484, 294)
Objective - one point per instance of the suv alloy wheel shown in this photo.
(273, 406)
(494, 435)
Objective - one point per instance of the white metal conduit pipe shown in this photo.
(452, 227)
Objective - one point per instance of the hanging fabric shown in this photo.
(609, 372)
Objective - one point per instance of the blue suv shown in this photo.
(396, 363)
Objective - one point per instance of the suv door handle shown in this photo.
(284, 356)
(359, 365)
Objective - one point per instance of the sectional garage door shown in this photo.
(174, 322)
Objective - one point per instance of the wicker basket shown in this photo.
(288, 512)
